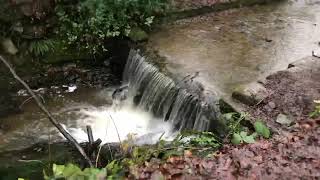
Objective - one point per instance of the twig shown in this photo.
(49, 149)
(98, 155)
(25, 101)
(50, 117)
(161, 136)
(116, 129)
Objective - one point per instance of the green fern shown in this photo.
(41, 47)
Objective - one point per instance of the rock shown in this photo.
(284, 120)
(250, 94)
(272, 105)
(9, 47)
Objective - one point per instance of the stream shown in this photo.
(75, 110)
(228, 49)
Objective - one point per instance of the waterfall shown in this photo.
(153, 91)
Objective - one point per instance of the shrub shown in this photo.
(88, 23)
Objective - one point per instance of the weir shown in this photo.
(181, 103)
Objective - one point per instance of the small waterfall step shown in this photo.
(182, 103)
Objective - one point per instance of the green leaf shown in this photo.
(58, 169)
(70, 170)
(249, 139)
(254, 135)
(262, 129)
(243, 134)
(236, 139)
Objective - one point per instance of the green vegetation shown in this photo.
(198, 143)
(41, 47)
(262, 129)
(316, 112)
(241, 134)
(88, 23)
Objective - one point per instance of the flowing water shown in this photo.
(75, 111)
(240, 46)
(222, 50)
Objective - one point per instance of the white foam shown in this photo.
(110, 124)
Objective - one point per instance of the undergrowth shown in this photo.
(197, 143)
(41, 47)
(244, 134)
(88, 23)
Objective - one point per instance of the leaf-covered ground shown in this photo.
(295, 155)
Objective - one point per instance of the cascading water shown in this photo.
(148, 105)
(173, 102)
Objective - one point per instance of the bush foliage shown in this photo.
(88, 23)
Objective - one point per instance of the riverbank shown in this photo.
(291, 153)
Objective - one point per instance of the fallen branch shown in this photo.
(50, 117)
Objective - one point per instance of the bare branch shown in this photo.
(67, 135)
